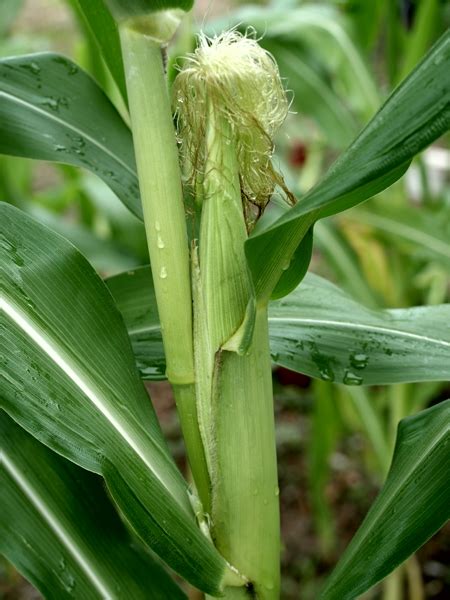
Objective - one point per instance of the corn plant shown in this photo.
(92, 500)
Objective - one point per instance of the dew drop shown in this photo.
(160, 242)
(70, 584)
(359, 360)
(351, 378)
(163, 273)
(157, 226)
(55, 104)
(11, 249)
(326, 373)
(33, 67)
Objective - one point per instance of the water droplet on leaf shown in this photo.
(33, 67)
(351, 378)
(358, 360)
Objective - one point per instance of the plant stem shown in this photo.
(165, 224)
(414, 577)
(393, 585)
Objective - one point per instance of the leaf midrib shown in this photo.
(83, 383)
(343, 324)
(360, 326)
(55, 525)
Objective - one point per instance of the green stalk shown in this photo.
(234, 392)
(164, 217)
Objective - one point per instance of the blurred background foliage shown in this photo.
(340, 59)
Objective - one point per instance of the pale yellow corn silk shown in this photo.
(241, 81)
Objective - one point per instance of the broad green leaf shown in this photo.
(70, 380)
(134, 295)
(104, 29)
(416, 114)
(321, 331)
(59, 528)
(318, 330)
(412, 505)
(52, 110)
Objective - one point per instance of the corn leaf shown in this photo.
(318, 330)
(321, 331)
(52, 110)
(70, 380)
(59, 528)
(134, 296)
(104, 29)
(412, 505)
(415, 115)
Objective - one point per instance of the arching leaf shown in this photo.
(411, 506)
(50, 109)
(59, 528)
(70, 380)
(317, 330)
